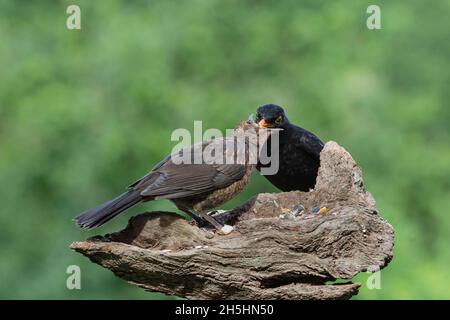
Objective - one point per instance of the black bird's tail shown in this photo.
(101, 214)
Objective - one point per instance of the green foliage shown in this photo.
(84, 113)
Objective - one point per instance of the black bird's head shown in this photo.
(271, 116)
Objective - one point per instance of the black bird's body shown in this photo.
(192, 187)
(299, 151)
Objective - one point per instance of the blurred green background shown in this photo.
(84, 113)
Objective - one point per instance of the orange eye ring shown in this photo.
(278, 120)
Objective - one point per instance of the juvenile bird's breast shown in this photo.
(220, 196)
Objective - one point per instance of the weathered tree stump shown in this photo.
(266, 256)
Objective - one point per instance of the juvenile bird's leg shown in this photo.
(212, 221)
(225, 216)
(202, 220)
(198, 220)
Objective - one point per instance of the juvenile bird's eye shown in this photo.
(278, 120)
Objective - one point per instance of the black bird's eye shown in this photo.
(278, 120)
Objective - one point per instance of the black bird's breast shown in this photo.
(299, 160)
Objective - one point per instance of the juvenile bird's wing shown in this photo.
(146, 180)
(173, 179)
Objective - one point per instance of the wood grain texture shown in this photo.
(265, 257)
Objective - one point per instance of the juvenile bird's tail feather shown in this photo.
(101, 214)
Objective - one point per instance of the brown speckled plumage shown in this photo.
(220, 196)
(192, 187)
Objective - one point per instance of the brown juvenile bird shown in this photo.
(194, 187)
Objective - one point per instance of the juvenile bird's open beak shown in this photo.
(263, 123)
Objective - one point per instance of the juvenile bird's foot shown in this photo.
(200, 222)
(220, 217)
(212, 221)
(225, 216)
(206, 221)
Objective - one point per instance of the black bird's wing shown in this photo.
(171, 179)
(311, 144)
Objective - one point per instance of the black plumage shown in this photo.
(192, 187)
(299, 151)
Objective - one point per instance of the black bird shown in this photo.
(299, 151)
(193, 187)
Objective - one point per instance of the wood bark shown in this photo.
(274, 252)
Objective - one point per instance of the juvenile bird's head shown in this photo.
(271, 116)
(251, 128)
(247, 125)
(247, 128)
(257, 134)
(248, 138)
